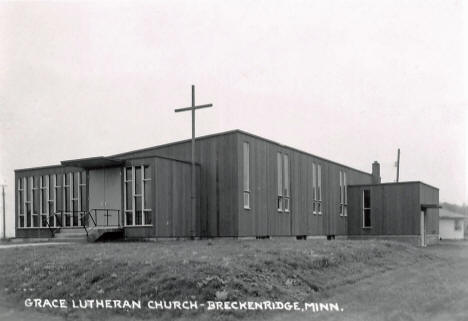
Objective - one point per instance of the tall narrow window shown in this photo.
(36, 201)
(59, 196)
(284, 184)
(314, 188)
(44, 200)
(66, 198)
(366, 209)
(246, 175)
(280, 182)
(83, 195)
(343, 194)
(21, 200)
(319, 189)
(28, 203)
(51, 203)
(286, 193)
(147, 217)
(75, 192)
(137, 195)
(128, 199)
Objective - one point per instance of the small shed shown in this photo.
(451, 225)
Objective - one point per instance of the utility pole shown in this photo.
(398, 167)
(4, 214)
(194, 197)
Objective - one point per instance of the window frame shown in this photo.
(48, 188)
(343, 211)
(364, 209)
(134, 196)
(246, 176)
(284, 197)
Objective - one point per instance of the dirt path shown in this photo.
(437, 291)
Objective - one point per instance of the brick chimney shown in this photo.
(376, 173)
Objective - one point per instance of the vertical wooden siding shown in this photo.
(217, 156)
(395, 209)
(430, 195)
(263, 218)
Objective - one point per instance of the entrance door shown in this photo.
(105, 195)
(423, 228)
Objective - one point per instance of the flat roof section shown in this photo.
(92, 162)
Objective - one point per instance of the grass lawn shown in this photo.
(228, 270)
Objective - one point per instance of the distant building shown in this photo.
(247, 186)
(451, 225)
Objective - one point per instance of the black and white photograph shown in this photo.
(234, 160)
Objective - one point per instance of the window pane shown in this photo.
(36, 200)
(286, 175)
(314, 182)
(51, 209)
(138, 203)
(59, 198)
(148, 218)
(35, 221)
(147, 188)
(29, 189)
(128, 195)
(367, 218)
(67, 179)
(21, 201)
(75, 184)
(319, 207)
(44, 220)
(83, 198)
(59, 180)
(280, 203)
(147, 173)
(280, 174)
(246, 200)
(44, 200)
(83, 177)
(128, 173)
(319, 182)
(21, 221)
(129, 218)
(28, 214)
(67, 198)
(366, 199)
(138, 218)
(246, 167)
(138, 180)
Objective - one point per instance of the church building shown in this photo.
(246, 186)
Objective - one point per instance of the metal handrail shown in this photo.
(51, 228)
(84, 216)
(106, 214)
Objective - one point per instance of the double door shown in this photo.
(105, 196)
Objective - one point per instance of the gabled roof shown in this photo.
(445, 213)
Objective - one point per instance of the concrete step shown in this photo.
(70, 235)
(72, 230)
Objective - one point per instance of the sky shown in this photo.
(351, 81)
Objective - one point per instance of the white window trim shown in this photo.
(246, 190)
(343, 194)
(142, 195)
(44, 184)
